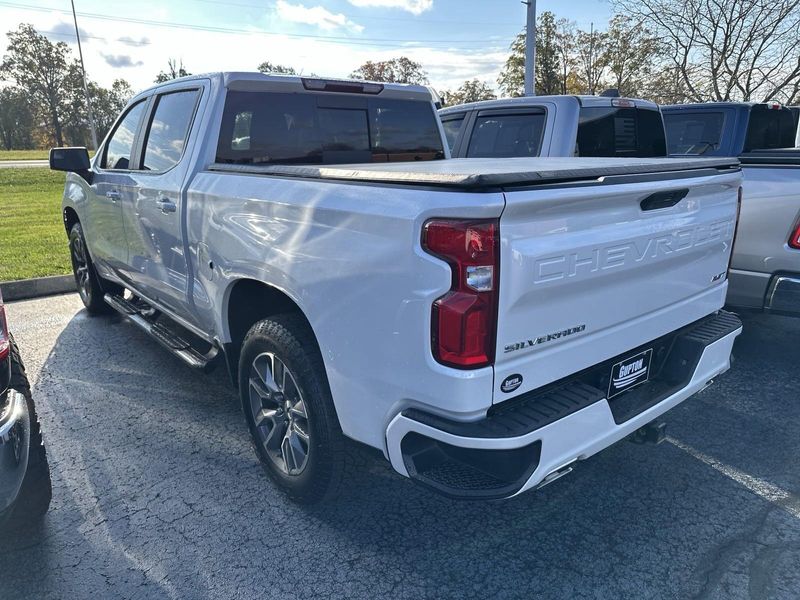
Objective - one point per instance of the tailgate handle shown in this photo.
(663, 199)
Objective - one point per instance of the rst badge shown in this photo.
(629, 373)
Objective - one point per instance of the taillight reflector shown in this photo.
(464, 320)
(794, 241)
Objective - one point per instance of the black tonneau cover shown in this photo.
(783, 156)
(491, 173)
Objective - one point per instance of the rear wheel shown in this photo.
(90, 286)
(289, 410)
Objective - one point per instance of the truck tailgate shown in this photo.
(589, 272)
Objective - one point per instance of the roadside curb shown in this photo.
(36, 288)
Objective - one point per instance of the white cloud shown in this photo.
(317, 15)
(415, 7)
(205, 51)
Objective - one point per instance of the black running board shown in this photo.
(168, 338)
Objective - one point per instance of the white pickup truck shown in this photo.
(484, 323)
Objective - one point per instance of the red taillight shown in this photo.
(794, 241)
(465, 318)
(4, 343)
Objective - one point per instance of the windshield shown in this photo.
(279, 128)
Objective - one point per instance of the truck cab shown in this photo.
(555, 126)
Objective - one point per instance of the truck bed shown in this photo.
(481, 174)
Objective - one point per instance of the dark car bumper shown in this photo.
(783, 295)
(15, 431)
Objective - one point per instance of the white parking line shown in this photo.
(770, 492)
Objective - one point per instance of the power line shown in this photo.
(228, 30)
(145, 42)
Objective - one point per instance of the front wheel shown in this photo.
(87, 280)
(289, 410)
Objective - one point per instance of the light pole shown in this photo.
(85, 84)
(530, 49)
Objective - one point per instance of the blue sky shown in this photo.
(453, 39)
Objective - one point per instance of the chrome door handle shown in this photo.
(113, 195)
(166, 206)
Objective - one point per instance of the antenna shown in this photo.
(85, 84)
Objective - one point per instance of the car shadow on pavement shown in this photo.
(158, 494)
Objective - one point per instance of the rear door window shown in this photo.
(452, 127)
(168, 130)
(119, 148)
(507, 135)
(620, 131)
(694, 133)
(769, 129)
(281, 128)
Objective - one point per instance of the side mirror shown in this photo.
(75, 160)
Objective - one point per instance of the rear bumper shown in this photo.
(14, 447)
(783, 295)
(537, 439)
(774, 293)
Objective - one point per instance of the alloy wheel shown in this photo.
(279, 414)
(80, 265)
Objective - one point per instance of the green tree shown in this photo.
(76, 126)
(16, 119)
(395, 70)
(268, 67)
(631, 54)
(512, 78)
(547, 55)
(548, 60)
(44, 72)
(174, 70)
(107, 103)
(565, 44)
(472, 90)
(591, 58)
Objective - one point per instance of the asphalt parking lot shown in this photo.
(157, 494)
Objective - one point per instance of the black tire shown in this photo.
(91, 287)
(36, 492)
(289, 338)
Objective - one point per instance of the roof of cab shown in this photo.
(523, 101)
(256, 81)
(696, 105)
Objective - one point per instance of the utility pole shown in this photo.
(530, 49)
(85, 84)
